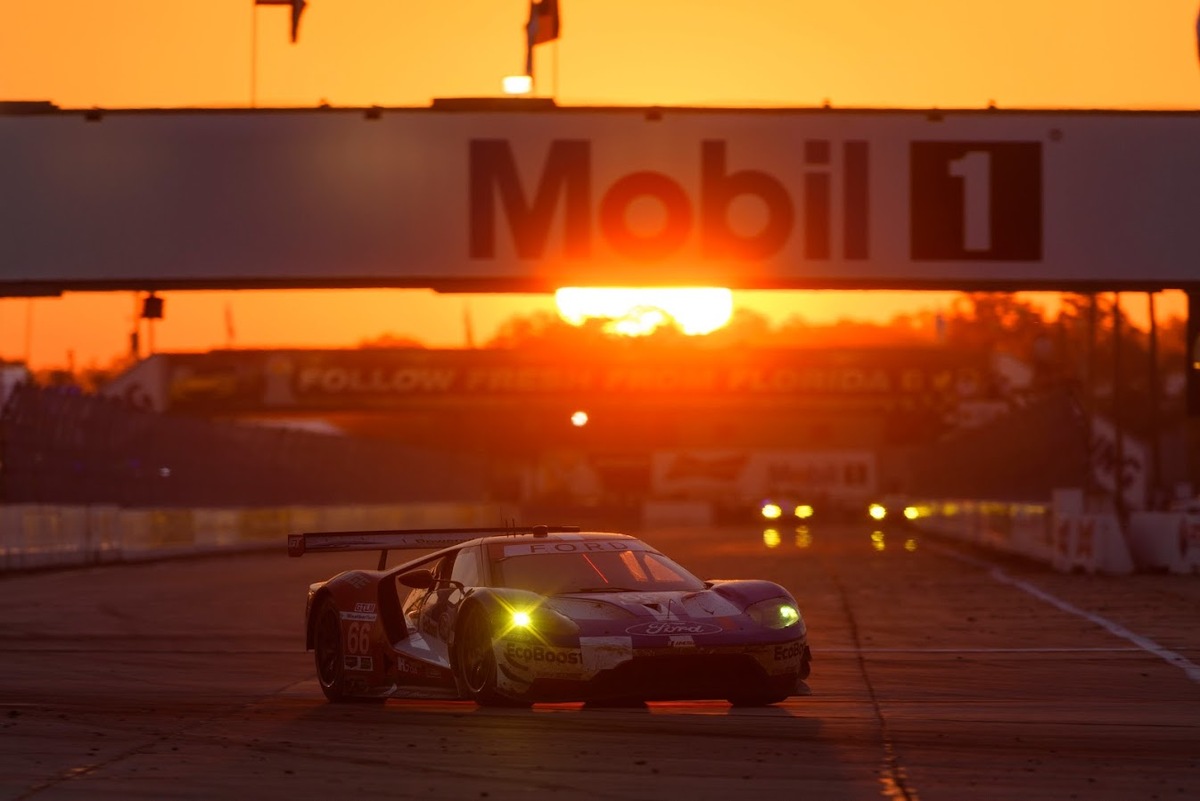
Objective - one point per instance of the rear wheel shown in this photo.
(476, 662)
(330, 657)
(327, 652)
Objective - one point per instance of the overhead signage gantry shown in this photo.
(519, 195)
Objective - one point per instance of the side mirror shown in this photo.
(424, 580)
(418, 579)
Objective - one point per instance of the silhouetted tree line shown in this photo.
(62, 444)
(1063, 349)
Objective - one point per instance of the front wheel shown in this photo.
(476, 662)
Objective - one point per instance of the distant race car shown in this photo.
(513, 616)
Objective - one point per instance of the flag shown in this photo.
(297, 9)
(543, 22)
(544, 26)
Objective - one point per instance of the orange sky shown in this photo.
(920, 53)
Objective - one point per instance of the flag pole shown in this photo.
(253, 53)
(529, 62)
(554, 84)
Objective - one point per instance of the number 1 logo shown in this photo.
(976, 201)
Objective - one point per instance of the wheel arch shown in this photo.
(493, 601)
(479, 602)
(749, 591)
(310, 625)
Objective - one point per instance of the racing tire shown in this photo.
(329, 657)
(327, 652)
(475, 662)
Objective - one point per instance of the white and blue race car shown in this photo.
(514, 616)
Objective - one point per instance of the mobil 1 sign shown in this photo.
(883, 199)
(976, 200)
(505, 199)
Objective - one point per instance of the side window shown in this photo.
(411, 600)
(467, 568)
(433, 618)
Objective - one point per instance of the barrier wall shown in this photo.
(1059, 534)
(38, 536)
(1167, 541)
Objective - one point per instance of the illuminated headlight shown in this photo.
(540, 620)
(776, 613)
(804, 511)
(911, 513)
(877, 511)
(771, 511)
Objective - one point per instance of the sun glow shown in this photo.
(639, 311)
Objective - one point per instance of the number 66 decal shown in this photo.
(976, 201)
(358, 638)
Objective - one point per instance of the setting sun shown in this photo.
(638, 311)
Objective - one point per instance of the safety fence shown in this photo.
(1065, 536)
(36, 536)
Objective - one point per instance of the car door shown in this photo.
(459, 574)
(422, 610)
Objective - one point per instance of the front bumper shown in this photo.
(613, 667)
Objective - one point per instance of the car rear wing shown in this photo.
(403, 539)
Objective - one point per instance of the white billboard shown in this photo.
(536, 199)
(754, 475)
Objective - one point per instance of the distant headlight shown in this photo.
(771, 511)
(877, 511)
(776, 613)
(804, 511)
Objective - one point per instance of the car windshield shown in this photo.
(556, 573)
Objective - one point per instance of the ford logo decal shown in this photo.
(667, 627)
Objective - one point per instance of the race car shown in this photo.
(515, 616)
(783, 509)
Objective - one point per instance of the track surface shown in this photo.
(934, 678)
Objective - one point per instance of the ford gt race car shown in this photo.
(513, 616)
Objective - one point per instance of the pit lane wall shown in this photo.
(1065, 536)
(38, 536)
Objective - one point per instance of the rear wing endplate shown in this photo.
(403, 539)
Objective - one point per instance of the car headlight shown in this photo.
(771, 511)
(775, 613)
(539, 620)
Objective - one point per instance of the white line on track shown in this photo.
(974, 650)
(1190, 668)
